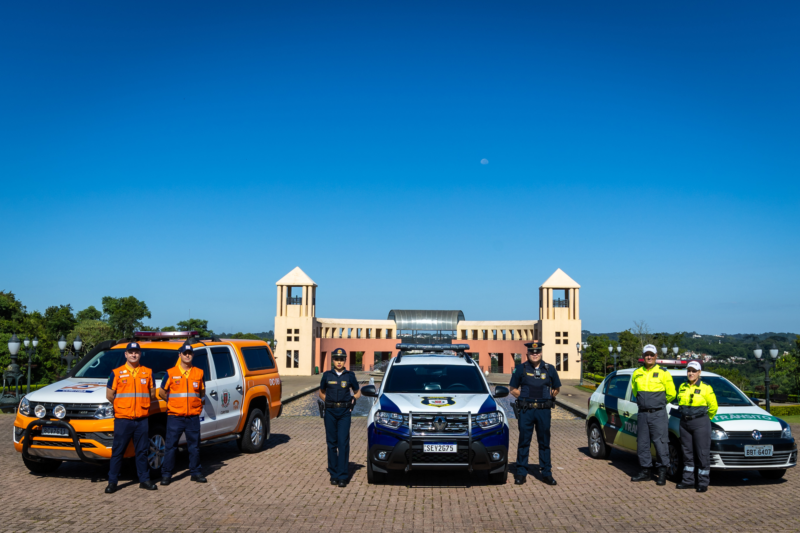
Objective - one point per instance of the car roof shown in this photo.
(176, 345)
(432, 359)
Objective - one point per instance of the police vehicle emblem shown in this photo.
(438, 401)
(226, 398)
(344, 384)
(144, 381)
(439, 423)
(756, 434)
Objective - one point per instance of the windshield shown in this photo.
(101, 365)
(725, 391)
(435, 378)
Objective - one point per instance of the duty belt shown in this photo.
(651, 410)
(337, 404)
(687, 418)
(536, 404)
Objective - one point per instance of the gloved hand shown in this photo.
(352, 403)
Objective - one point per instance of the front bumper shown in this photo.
(92, 448)
(729, 455)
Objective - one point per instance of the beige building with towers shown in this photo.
(304, 341)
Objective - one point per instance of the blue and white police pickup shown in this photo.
(434, 410)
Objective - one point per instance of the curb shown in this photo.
(299, 394)
(575, 410)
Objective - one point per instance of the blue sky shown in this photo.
(192, 153)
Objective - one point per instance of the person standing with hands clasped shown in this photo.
(184, 389)
(130, 389)
(697, 404)
(334, 390)
(535, 385)
(654, 389)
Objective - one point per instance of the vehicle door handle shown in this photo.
(602, 406)
(239, 388)
(626, 414)
(213, 393)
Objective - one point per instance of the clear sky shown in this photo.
(192, 153)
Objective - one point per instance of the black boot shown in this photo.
(643, 475)
(682, 485)
(111, 488)
(662, 476)
(519, 480)
(148, 485)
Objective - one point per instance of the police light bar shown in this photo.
(163, 335)
(671, 362)
(405, 347)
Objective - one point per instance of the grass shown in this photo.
(794, 419)
(585, 389)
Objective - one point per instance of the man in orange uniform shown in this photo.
(184, 390)
(130, 389)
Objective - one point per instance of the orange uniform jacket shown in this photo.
(184, 391)
(133, 391)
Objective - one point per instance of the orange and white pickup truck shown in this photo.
(72, 421)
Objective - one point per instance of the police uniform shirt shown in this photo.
(337, 388)
(534, 383)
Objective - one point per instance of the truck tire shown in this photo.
(374, 478)
(772, 474)
(42, 466)
(499, 478)
(157, 449)
(597, 443)
(256, 432)
(675, 470)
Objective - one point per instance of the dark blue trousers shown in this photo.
(176, 426)
(337, 435)
(528, 420)
(124, 430)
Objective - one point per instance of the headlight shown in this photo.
(786, 433)
(391, 420)
(40, 411)
(488, 420)
(25, 407)
(718, 434)
(60, 411)
(105, 411)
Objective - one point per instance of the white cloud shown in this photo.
(484, 161)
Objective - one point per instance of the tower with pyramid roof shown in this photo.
(294, 323)
(560, 322)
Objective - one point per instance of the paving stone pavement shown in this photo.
(285, 488)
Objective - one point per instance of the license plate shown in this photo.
(439, 448)
(758, 451)
(58, 432)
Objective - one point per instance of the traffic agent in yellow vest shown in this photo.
(697, 399)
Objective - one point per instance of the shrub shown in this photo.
(785, 410)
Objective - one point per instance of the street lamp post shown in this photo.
(77, 344)
(30, 350)
(675, 349)
(610, 351)
(12, 372)
(766, 365)
(62, 345)
(582, 354)
(619, 353)
(664, 350)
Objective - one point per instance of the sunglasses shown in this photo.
(649, 355)
(692, 370)
(340, 358)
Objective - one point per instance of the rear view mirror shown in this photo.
(369, 391)
(500, 391)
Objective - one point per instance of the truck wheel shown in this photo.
(157, 449)
(43, 466)
(374, 478)
(499, 478)
(675, 470)
(597, 444)
(772, 474)
(256, 432)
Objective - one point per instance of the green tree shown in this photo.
(59, 320)
(90, 313)
(595, 357)
(195, 324)
(92, 332)
(631, 349)
(125, 314)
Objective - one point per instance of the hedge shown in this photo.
(785, 410)
(594, 377)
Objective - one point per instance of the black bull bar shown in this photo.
(27, 440)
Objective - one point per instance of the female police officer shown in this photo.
(334, 390)
(698, 405)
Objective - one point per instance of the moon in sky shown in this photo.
(484, 161)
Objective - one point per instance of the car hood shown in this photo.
(73, 390)
(745, 418)
(436, 403)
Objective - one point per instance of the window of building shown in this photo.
(558, 361)
(463, 334)
(504, 334)
(512, 334)
(288, 359)
(564, 335)
(288, 339)
(558, 333)
(494, 334)
(297, 359)
(565, 362)
(349, 332)
(288, 331)
(378, 333)
(474, 334)
(558, 341)
(297, 332)
(297, 339)
(388, 334)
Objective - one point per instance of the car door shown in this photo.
(629, 412)
(615, 391)
(227, 391)
(208, 416)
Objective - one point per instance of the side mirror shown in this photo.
(500, 391)
(756, 401)
(369, 391)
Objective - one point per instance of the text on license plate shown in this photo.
(439, 448)
(758, 451)
(55, 432)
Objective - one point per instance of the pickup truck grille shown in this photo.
(74, 410)
(454, 424)
(749, 435)
(738, 459)
(418, 457)
(61, 444)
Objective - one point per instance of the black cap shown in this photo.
(186, 348)
(339, 353)
(133, 346)
(535, 346)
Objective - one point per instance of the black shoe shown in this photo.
(684, 486)
(662, 476)
(334, 482)
(148, 485)
(643, 475)
(549, 480)
(111, 488)
(342, 483)
(519, 480)
(165, 481)
(199, 479)
(702, 489)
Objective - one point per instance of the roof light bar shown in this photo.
(405, 347)
(673, 362)
(163, 335)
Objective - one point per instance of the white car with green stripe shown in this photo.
(744, 436)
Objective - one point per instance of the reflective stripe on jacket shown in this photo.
(132, 389)
(697, 399)
(184, 391)
(653, 388)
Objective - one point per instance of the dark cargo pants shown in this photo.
(337, 436)
(528, 420)
(652, 427)
(696, 448)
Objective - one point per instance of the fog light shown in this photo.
(60, 411)
(40, 411)
(382, 455)
(495, 456)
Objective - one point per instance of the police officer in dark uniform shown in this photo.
(535, 384)
(334, 390)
